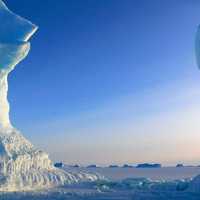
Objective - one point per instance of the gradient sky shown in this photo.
(110, 81)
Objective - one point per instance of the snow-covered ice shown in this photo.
(117, 189)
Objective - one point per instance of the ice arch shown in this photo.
(22, 166)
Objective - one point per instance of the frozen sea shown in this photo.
(164, 173)
(167, 183)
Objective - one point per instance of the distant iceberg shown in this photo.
(149, 165)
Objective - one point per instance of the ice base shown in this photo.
(23, 167)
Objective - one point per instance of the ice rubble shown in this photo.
(128, 189)
(22, 167)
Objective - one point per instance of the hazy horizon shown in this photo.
(112, 82)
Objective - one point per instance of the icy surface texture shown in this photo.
(14, 46)
(195, 184)
(128, 189)
(23, 167)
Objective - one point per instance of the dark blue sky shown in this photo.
(88, 55)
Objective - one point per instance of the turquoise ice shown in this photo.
(15, 32)
(13, 27)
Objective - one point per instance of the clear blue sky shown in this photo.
(110, 81)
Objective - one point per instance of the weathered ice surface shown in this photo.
(22, 167)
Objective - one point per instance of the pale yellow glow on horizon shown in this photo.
(169, 133)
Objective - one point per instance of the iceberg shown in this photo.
(197, 46)
(22, 166)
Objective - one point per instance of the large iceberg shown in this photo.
(22, 167)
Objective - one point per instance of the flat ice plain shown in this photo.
(167, 183)
(164, 173)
